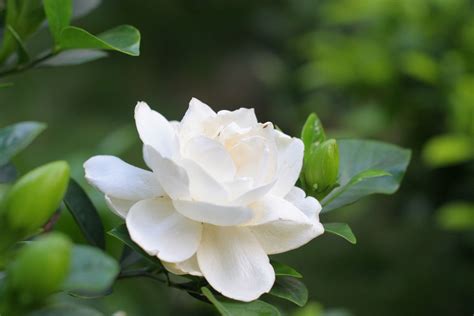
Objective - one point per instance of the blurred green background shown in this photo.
(395, 70)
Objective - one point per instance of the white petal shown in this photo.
(172, 177)
(290, 162)
(119, 206)
(155, 130)
(118, 179)
(197, 113)
(273, 208)
(211, 156)
(242, 117)
(156, 227)
(213, 214)
(189, 266)
(284, 235)
(253, 194)
(202, 186)
(306, 204)
(234, 263)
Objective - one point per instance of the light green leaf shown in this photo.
(16, 137)
(92, 272)
(58, 13)
(124, 39)
(227, 307)
(290, 289)
(73, 57)
(457, 216)
(282, 269)
(366, 167)
(66, 309)
(341, 229)
(449, 149)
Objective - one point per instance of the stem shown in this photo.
(32, 64)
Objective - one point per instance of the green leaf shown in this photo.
(456, 216)
(366, 167)
(228, 307)
(121, 233)
(85, 214)
(66, 309)
(8, 173)
(92, 272)
(290, 289)
(341, 229)
(23, 56)
(124, 39)
(73, 57)
(24, 16)
(449, 149)
(58, 13)
(15, 138)
(282, 269)
(6, 85)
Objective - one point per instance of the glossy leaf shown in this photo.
(366, 167)
(228, 307)
(92, 271)
(66, 309)
(290, 289)
(85, 214)
(124, 39)
(15, 138)
(282, 269)
(341, 229)
(121, 233)
(73, 57)
(58, 13)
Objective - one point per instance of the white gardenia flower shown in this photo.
(220, 198)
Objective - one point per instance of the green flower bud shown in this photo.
(39, 268)
(312, 132)
(35, 197)
(322, 166)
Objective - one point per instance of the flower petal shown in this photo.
(202, 186)
(173, 178)
(211, 156)
(253, 194)
(290, 162)
(189, 266)
(156, 227)
(272, 208)
(234, 263)
(213, 214)
(306, 204)
(155, 130)
(243, 117)
(119, 206)
(118, 179)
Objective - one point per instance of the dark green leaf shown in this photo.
(8, 173)
(282, 269)
(15, 138)
(290, 289)
(66, 309)
(73, 57)
(124, 39)
(341, 229)
(366, 167)
(228, 307)
(24, 16)
(85, 214)
(23, 56)
(121, 233)
(58, 13)
(92, 272)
